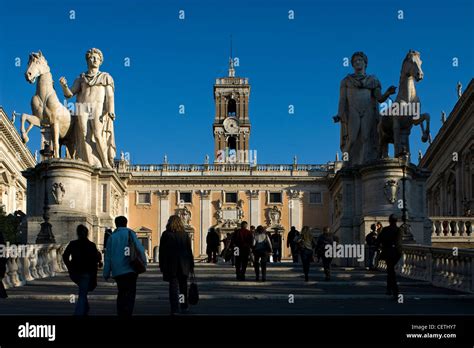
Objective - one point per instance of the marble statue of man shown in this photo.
(95, 110)
(358, 112)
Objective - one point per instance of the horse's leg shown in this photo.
(396, 136)
(55, 137)
(33, 121)
(70, 150)
(419, 121)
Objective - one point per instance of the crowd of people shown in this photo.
(258, 247)
(125, 258)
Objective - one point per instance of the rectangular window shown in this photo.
(231, 197)
(315, 198)
(104, 198)
(275, 197)
(144, 198)
(185, 197)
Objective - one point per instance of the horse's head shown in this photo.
(411, 66)
(37, 66)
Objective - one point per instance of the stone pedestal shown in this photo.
(366, 194)
(78, 194)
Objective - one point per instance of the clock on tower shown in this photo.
(231, 122)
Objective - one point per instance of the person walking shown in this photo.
(117, 263)
(176, 263)
(390, 242)
(107, 234)
(379, 227)
(371, 240)
(276, 245)
(82, 260)
(307, 245)
(212, 241)
(326, 238)
(232, 246)
(243, 241)
(251, 259)
(262, 247)
(291, 243)
(227, 252)
(3, 267)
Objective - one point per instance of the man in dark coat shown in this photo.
(176, 262)
(3, 268)
(371, 240)
(291, 243)
(390, 241)
(212, 241)
(82, 258)
(242, 241)
(276, 244)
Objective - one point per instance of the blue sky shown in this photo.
(297, 62)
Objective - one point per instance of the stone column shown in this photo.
(164, 210)
(458, 187)
(246, 106)
(444, 196)
(225, 104)
(217, 96)
(206, 219)
(296, 211)
(254, 207)
(240, 115)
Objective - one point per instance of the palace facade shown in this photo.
(15, 157)
(231, 189)
(450, 187)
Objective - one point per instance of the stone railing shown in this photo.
(443, 267)
(33, 261)
(227, 168)
(452, 229)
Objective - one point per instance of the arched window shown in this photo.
(231, 108)
(232, 143)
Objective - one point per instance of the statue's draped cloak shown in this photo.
(102, 79)
(358, 110)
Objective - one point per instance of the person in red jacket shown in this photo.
(242, 241)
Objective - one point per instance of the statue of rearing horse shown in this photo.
(46, 108)
(396, 123)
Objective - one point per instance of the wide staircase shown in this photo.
(350, 291)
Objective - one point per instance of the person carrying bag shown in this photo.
(124, 260)
(262, 247)
(136, 258)
(177, 263)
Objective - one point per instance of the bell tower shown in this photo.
(231, 122)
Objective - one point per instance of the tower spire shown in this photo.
(231, 61)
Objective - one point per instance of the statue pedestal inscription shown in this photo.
(77, 194)
(363, 195)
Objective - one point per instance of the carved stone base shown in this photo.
(78, 194)
(361, 196)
